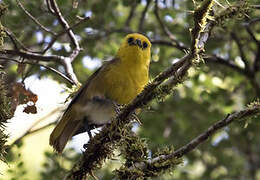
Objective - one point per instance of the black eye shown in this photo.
(145, 45)
(130, 40)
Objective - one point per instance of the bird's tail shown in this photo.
(63, 131)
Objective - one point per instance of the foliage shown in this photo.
(225, 82)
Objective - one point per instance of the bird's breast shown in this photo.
(124, 87)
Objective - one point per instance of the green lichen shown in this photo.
(253, 104)
(239, 10)
(6, 112)
(147, 167)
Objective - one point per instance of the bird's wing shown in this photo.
(71, 122)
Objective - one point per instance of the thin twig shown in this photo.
(229, 63)
(32, 55)
(255, 6)
(16, 42)
(55, 38)
(141, 21)
(226, 62)
(240, 48)
(131, 14)
(166, 31)
(250, 32)
(42, 65)
(34, 19)
(12, 38)
(66, 26)
(31, 132)
(31, 129)
(180, 46)
(49, 7)
(65, 61)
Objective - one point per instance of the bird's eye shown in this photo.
(145, 45)
(130, 40)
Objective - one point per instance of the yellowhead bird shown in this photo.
(118, 81)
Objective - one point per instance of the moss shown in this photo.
(238, 10)
(6, 112)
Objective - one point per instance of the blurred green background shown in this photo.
(227, 81)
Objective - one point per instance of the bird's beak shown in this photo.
(138, 43)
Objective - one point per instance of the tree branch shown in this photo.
(34, 19)
(166, 31)
(180, 46)
(55, 38)
(101, 146)
(240, 48)
(32, 55)
(226, 62)
(141, 22)
(42, 65)
(66, 26)
(246, 113)
(257, 42)
(131, 14)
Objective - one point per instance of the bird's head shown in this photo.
(135, 49)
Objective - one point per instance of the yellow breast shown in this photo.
(125, 77)
(124, 87)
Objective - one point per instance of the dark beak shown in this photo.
(138, 42)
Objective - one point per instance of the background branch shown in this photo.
(32, 128)
(42, 65)
(66, 26)
(34, 19)
(141, 21)
(178, 44)
(246, 113)
(131, 14)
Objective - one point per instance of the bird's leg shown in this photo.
(87, 127)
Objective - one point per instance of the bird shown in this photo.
(116, 82)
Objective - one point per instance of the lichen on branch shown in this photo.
(101, 147)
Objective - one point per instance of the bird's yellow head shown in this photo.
(135, 49)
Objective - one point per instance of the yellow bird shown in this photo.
(118, 81)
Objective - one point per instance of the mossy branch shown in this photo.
(252, 110)
(102, 145)
(6, 112)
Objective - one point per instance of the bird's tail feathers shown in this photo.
(64, 130)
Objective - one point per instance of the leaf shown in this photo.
(30, 109)
(21, 95)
